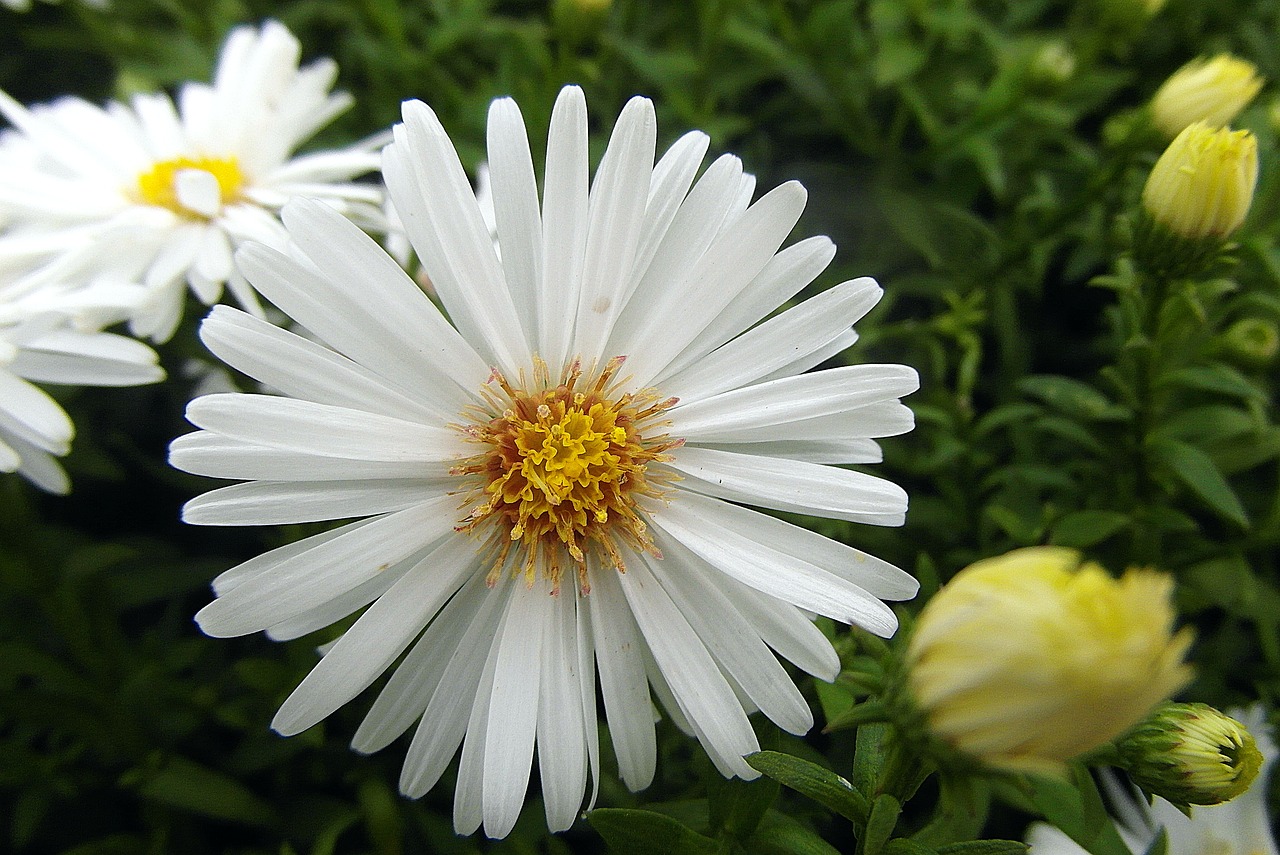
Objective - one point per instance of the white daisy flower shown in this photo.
(42, 340)
(548, 490)
(1241, 826)
(164, 193)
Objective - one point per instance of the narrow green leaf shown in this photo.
(779, 834)
(885, 811)
(1195, 470)
(1086, 528)
(188, 786)
(641, 832)
(809, 779)
(858, 715)
(1074, 397)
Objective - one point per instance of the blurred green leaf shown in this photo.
(641, 832)
(1195, 470)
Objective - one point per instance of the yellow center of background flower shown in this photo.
(561, 469)
(156, 185)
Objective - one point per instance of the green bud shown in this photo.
(1190, 754)
(1252, 341)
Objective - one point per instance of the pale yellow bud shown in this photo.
(1202, 186)
(1028, 660)
(1213, 91)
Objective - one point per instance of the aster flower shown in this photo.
(547, 491)
(1239, 827)
(164, 193)
(40, 342)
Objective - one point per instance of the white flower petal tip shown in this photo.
(611, 386)
(43, 341)
(161, 190)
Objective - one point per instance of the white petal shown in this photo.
(205, 453)
(232, 578)
(622, 680)
(562, 738)
(781, 279)
(734, 643)
(695, 679)
(693, 229)
(343, 605)
(406, 342)
(451, 699)
(785, 628)
(882, 418)
(704, 526)
(564, 230)
(791, 485)
(99, 359)
(513, 719)
(198, 191)
(791, 399)
(305, 580)
(321, 429)
(303, 369)
(438, 207)
(30, 414)
(380, 635)
(618, 196)
(515, 208)
(675, 317)
(285, 502)
(672, 175)
(776, 343)
(406, 694)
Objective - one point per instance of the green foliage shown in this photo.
(1067, 397)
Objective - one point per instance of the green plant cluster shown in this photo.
(983, 159)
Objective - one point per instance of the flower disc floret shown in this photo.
(562, 469)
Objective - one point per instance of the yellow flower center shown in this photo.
(560, 470)
(158, 185)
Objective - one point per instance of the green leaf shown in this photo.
(1076, 808)
(885, 811)
(1221, 379)
(1079, 529)
(628, 831)
(188, 786)
(809, 779)
(1195, 470)
(736, 805)
(869, 757)
(984, 847)
(1074, 397)
(907, 846)
(857, 716)
(779, 834)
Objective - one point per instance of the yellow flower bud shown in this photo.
(1213, 91)
(1191, 754)
(1030, 659)
(1202, 186)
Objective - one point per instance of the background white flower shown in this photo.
(163, 193)
(550, 485)
(43, 339)
(1241, 826)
